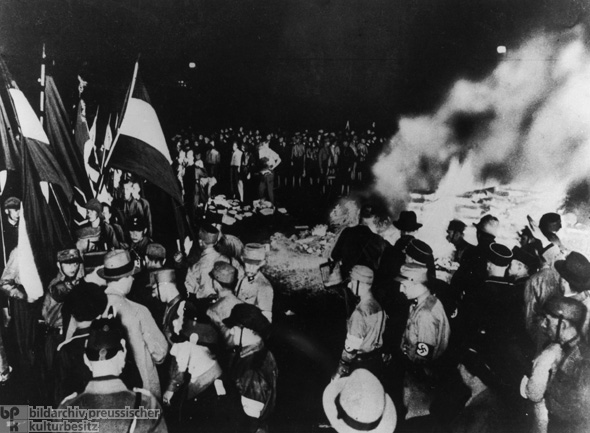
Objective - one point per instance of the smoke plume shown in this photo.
(527, 124)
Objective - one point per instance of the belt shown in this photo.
(50, 330)
(374, 354)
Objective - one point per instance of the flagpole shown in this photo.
(42, 82)
(104, 150)
(129, 95)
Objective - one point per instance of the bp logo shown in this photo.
(14, 419)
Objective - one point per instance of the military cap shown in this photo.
(12, 203)
(155, 251)
(419, 251)
(362, 274)
(499, 255)
(254, 253)
(563, 307)
(163, 276)
(413, 272)
(208, 234)
(94, 204)
(71, 255)
(224, 273)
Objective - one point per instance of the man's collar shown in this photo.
(107, 386)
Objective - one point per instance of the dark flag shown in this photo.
(46, 226)
(67, 153)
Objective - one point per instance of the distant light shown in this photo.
(501, 49)
(192, 65)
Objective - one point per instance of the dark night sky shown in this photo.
(262, 63)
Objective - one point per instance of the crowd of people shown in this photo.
(249, 165)
(500, 346)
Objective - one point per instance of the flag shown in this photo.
(47, 229)
(140, 146)
(57, 125)
(85, 141)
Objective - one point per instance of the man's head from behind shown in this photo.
(105, 349)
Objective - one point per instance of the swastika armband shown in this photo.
(424, 350)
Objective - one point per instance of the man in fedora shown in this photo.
(146, 342)
(364, 327)
(198, 281)
(560, 379)
(395, 256)
(361, 244)
(104, 354)
(358, 403)
(254, 288)
(575, 269)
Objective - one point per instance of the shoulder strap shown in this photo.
(133, 424)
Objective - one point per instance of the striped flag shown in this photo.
(140, 146)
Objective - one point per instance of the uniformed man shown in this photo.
(165, 291)
(365, 327)
(132, 204)
(198, 281)
(427, 331)
(138, 239)
(253, 370)
(106, 236)
(224, 277)
(70, 273)
(254, 288)
(560, 378)
(104, 355)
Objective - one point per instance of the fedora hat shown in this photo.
(407, 221)
(117, 264)
(575, 269)
(488, 224)
(359, 403)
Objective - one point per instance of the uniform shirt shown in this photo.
(133, 207)
(427, 331)
(257, 292)
(146, 342)
(197, 279)
(113, 394)
(364, 328)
